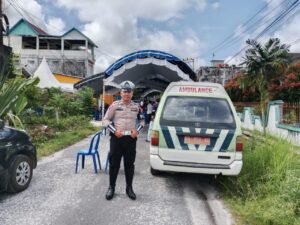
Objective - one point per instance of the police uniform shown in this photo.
(121, 116)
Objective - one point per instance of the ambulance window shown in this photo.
(197, 112)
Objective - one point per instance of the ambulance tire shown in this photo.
(154, 172)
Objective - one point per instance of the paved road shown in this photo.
(58, 196)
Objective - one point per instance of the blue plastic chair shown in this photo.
(93, 151)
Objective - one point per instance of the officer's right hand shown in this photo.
(119, 133)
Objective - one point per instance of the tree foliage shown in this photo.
(287, 88)
(53, 102)
(239, 92)
(263, 62)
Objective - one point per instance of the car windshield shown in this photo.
(201, 112)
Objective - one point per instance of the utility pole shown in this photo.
(188, 60)
(193, 61)
(5, 51)
(1, 24)
(3, 18)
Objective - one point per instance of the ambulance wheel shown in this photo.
(154, 172)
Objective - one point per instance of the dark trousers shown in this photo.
(148, 118)
(126, 147)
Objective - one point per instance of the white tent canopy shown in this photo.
(48, 80)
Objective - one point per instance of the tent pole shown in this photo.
(103, 100)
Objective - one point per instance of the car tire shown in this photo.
(20, 173)
(154, 172)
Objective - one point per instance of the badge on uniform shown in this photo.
(127, 132)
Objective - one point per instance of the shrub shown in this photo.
(268, 189)
(239, 92)
(43, 128)
(85, 98)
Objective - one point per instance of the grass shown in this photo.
(50, 136)
(64, 139)
(267, 191)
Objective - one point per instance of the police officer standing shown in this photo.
(121, 120)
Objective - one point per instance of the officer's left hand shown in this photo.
(134, 133)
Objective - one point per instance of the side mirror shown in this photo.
(1, 124)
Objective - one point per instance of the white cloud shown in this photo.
(161, 40)
(239, 31)
(114, 26)
(289, 33)
(30, 9)
(148, 9)
(55, 26)
(215, 5)
(251, 28)
(234, 61)
(102, 62)
(200, 5)
(166, 41)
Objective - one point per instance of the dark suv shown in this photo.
(17, 159)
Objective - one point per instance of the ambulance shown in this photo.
(196, 130)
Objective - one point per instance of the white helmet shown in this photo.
(127, 85)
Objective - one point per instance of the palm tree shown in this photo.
(263, 62)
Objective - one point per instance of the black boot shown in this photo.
(130, 193)
(110, 193)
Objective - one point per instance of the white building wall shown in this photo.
(74, 35)
(252, 122)
(31, 58)
(15, 42)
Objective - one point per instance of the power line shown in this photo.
(29, 15)
(21, 9)
(16, 8)
(294, 42)
(244, 24)
(255, 25)
(278, 19)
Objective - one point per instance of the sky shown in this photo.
(185, 28)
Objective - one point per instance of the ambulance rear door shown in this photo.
(197, 129)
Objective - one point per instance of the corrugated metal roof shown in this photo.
(38, 29)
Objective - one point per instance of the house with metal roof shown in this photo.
(71, 53)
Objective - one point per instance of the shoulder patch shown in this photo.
(114, 104)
